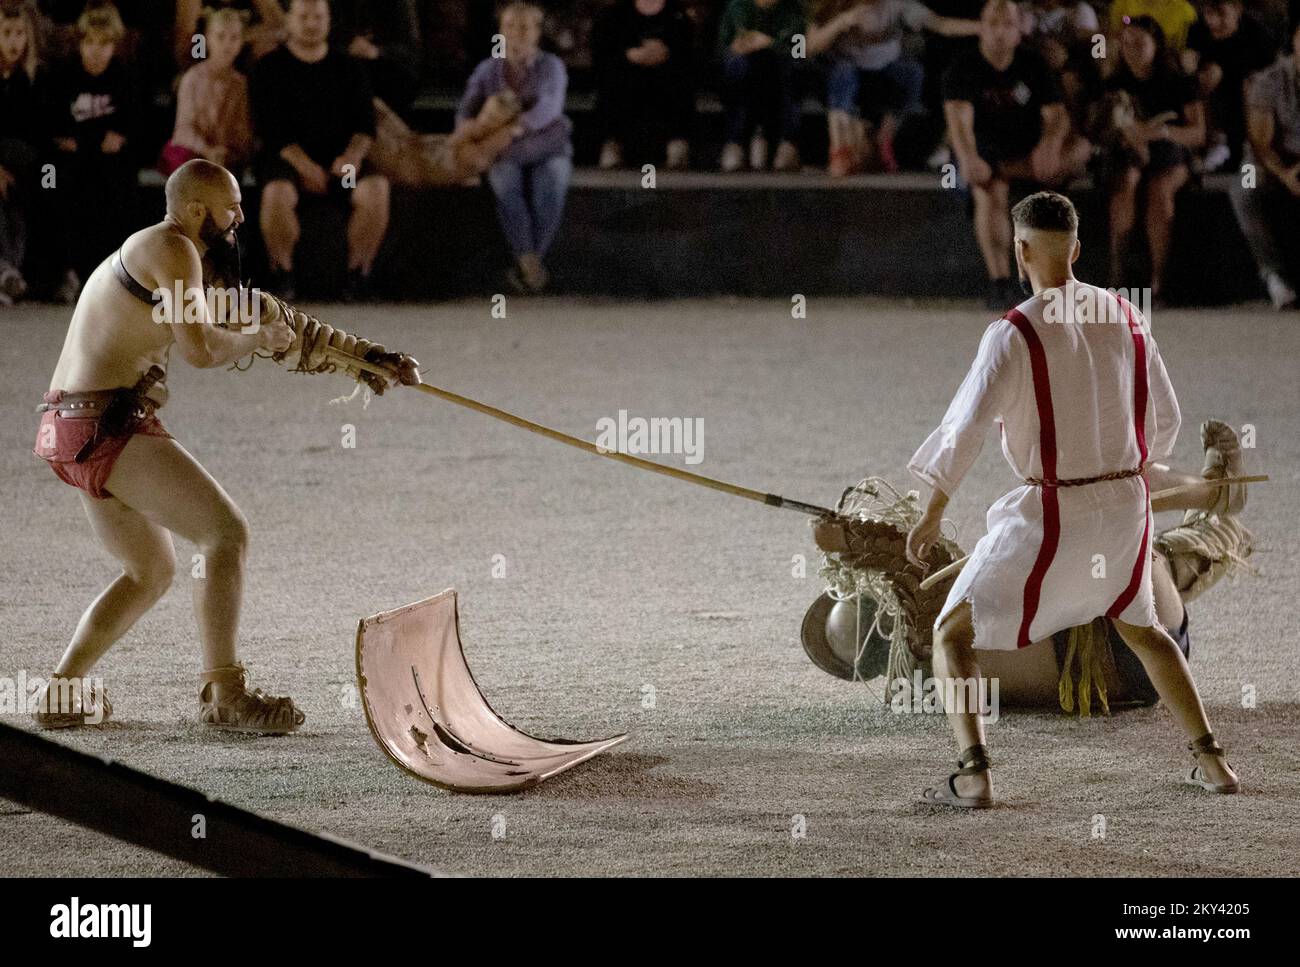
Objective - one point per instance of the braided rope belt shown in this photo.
(1084, 481)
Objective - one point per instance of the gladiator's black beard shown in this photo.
(223, 250)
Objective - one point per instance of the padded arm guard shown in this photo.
(311, 338)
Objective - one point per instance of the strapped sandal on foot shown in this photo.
(1208, 745)
(253, 711)
(973, 761)
(71, 706)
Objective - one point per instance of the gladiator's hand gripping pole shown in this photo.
(347, 361)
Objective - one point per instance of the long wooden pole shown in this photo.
(772, 500)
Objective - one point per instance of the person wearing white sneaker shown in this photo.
(760, 79)
(645, 92)
(1268, 205)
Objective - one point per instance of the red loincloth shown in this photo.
(58, 445)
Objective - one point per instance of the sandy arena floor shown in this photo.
(621, 585)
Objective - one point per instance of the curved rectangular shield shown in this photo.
(426, 711)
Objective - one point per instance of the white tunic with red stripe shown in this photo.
(1075, 399)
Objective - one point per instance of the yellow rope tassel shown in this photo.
(1066, 685)
(1085, 646)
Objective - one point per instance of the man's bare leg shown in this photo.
(1161, 192)
(954, 658)
(369, 222)
(159, 479)
(148, 561)
(1168, 671)
(993, 227)
(1122, 207)
(279, 223)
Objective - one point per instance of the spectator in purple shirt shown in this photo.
(530, 178)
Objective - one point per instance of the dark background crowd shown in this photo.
(338, 99)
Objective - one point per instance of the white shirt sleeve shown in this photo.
(1162, 403)
(950, 451)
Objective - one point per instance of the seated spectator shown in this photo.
(1005, 121)
(384, 35)
(867, 69)
(315, 116)
(95, 114)
(530, 177)
(645, 86)
(760, 81)
(1224, 47)
(1062, 33)
(22, 84)
(1175, 18)
(212, 113)
(263, 22)
(1269, 210)
(1151, 121)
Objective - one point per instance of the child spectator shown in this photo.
(212, 112)
(760, 81)
(530, 178)
(1269, 210)
(315, 115)
(263, 22)
(1151, 121)
(1224, 47)
(866, 68)
(94, 116)
(21, 130)
(644, 82)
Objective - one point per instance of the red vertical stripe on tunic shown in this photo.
(1047, 454)
(1140, 435)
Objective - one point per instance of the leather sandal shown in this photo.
(88, 702)
(253, 711)
(1208, 745)
(973, 761)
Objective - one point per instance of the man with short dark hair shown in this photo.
(1073, 542)
(1006, 120)
(313, 110)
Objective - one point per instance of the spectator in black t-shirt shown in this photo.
(1006, 120)
(22, 129)
(315, 115)
(94, 120)
(1150, 122)
(384, 36)
(1224, 47)
(644, 85)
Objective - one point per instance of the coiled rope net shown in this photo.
(875, 499)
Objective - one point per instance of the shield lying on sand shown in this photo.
(426, 711)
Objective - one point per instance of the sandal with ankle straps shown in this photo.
(253, 711)
(973, 761)
(1209, 745)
